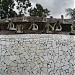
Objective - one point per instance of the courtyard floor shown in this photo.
(37, 54)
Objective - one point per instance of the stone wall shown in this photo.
(37, 54)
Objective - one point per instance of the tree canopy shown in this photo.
(71, 13)
(22, 6)
(38, 11)
(7, 6)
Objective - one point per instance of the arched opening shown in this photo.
(33, 27)
(11, 26)
(57, 26)
(48, 28)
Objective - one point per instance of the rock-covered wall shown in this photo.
(37, 54)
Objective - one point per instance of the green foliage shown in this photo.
(22, 6)
(6, 8)
(38, 11)
(71, 12)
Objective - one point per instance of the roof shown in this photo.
(22, 19)
(35, 19)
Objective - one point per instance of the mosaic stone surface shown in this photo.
(37, 54)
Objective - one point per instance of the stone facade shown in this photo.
(37, 54)
(22, 24)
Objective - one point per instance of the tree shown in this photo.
(7, 7)
(22, 6)
(39, 11)
(71, 13)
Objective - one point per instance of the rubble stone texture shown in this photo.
(37, 54)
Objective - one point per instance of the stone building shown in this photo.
(31, 24)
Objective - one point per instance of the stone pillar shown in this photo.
(19, 29)
(73, 28)
(62, 18)
(57, 26)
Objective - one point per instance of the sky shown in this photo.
(56, 7)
